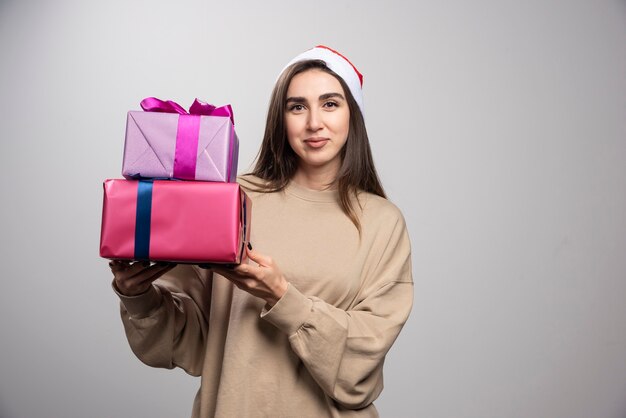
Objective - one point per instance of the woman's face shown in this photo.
(317, 119)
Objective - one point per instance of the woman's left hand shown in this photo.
(264, 281)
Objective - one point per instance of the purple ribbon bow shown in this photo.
(185, 156)
(152, 104)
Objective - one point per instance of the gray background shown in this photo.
(498, 128)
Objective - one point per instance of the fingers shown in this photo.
(206, 266)
(258, 258)
(133, 279)
(140, 267)
(240, 276)
(265, 282)
(118, 265)
(154, 273)
(244, 276)
(128, 268)
(237, 273)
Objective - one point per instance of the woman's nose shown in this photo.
(314, 121)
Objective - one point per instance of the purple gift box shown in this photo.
(169, 143)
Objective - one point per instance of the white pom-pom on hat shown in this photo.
(340, 65)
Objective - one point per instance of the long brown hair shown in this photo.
(276, 162)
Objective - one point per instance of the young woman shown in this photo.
(303, 328)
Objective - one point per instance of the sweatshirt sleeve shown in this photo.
(166, 326)
(344, 350)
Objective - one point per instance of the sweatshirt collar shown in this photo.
(329, 196)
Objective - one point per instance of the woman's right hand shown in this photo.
(134, 278)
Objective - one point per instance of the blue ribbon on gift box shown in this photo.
(142, 219)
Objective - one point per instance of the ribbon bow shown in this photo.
(200, 108)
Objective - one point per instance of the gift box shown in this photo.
(167, 142)
(178, 221)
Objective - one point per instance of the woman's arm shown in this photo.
(166, 325)
(343, 350)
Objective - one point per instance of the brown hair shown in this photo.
(276, 162)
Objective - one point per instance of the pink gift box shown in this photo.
(185, 147)
(178, 221)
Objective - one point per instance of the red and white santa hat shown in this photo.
(340, 65)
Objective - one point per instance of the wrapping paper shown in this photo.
(159, 145)
(178, 221)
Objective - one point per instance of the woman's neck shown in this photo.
(315, 178)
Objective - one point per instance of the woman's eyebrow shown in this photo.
(296, 99)
(323, 97)
(327, 96)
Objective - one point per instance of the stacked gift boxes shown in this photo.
(179, 201)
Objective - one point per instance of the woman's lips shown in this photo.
(316, 142)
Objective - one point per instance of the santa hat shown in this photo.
(340, 65)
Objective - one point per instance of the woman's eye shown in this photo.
(297, 107)
(330, 104)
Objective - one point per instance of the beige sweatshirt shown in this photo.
(319, 351)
